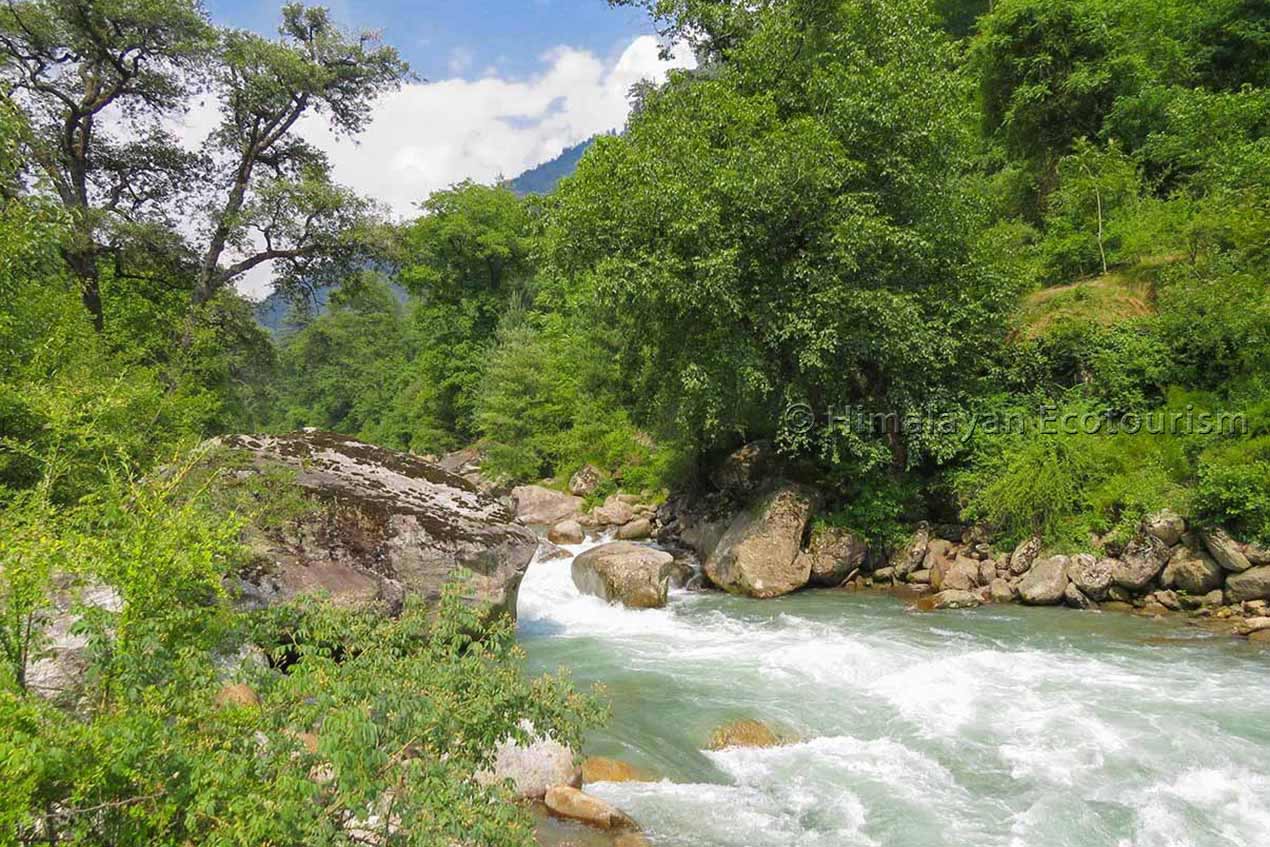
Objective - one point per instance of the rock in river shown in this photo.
(1225, 551)
(743, 733)
(1091, 576)
(624, 572)
(759, 554)
(566, 532)
(952, 598)
(568, 802)
(603, 769)
(1191, 571)
(833, 554)
(539, 506)
(1140, 563)
(533, 767)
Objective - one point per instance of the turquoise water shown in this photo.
(995, 726)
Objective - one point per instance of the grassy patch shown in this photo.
(1122, 294)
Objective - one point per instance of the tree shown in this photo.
(339, 371)
(711, 27)
(467, 260)
(279, 202)
(65, 63)
(99, 82)
(790, 229)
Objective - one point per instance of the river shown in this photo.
(997, 726)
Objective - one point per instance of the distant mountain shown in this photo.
(543, 179)
(273, 311)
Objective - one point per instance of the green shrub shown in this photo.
(364, 718)
(1234, 488)
(1066, 486)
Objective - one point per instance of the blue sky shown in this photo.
(468, 39)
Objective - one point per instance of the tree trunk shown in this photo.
(83, 263)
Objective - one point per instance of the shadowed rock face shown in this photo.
(387, 525)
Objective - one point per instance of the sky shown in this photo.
(504, 85)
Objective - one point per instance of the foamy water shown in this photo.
(997, 726)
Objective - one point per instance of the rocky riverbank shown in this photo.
(756, 534)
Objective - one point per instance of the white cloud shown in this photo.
(428, 136)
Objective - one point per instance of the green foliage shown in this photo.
(553, 400)
(787, 228)
(879, 509)
(1234, 474)
(1095, 187)
(468, 260)
(340, 371)
(1052, 476)
(368, 723)
(1049, 72)
(30, 553)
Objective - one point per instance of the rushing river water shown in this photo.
(997, 726)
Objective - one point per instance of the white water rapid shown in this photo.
(995, 726)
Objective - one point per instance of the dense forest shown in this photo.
(1005, 265)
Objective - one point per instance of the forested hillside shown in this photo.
(1006, 267)
(855, 217)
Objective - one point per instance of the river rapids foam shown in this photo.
(1000, 726)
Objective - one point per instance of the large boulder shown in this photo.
(834, 554)
(758, 555)
(364, 525)
(1166, 525)
(532, 766)
(461, 462)
(636, 530)
(56, 667)
(1191, 571)
(940, 554)
(1046, 583)
(746, 469)
(954, 598)
(1141, 562)
(616, 511)
(1225, 551)
(703, 534)
(604, 769)
(1252, 584)
(961, 575)
(743, 733)
(540, 506)
(566, 532)
(624, 572)
(1025, 555)
(1091, 576)
(1000, 591)
(1075, 598)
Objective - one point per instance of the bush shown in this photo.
(1066, 486)
(1234, 488)
(367, 723)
